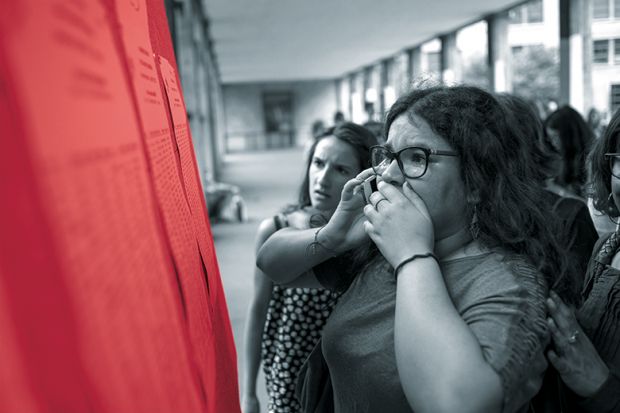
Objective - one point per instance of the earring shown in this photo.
(474, 226)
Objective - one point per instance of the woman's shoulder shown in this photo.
(500, 273)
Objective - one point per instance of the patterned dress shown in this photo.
(295, 318)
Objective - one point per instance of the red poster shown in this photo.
(104, 292)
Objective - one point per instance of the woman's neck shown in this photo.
(458, 245)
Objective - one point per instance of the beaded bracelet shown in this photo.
(413, 257)
(316, 242)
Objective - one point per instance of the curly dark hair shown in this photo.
(600, 173)
(496, 169)
(529, 126)
(576, 138)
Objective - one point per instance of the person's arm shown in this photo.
(290, 253)
(257, 313)
(580, 366)
(439, 360)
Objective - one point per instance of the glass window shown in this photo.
(600, 51)
(617, 51)
(534, 11)
(615, 98)
(601, 9)
(515, 15)
(617, 9)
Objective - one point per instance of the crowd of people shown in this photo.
(472, 279)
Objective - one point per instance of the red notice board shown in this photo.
(110, 293)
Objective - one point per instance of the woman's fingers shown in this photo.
(566, 312)
(366, 173)
(371, 213)
(563, 317)
(557, 361)
(559, 317)
(559, 338)
(389, 191)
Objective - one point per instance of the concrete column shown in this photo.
(383, 83)
(352, 90)
(414, 63)
(576, 54)
(450, 61)
(338, 86)
(499, 53)
(370, 102)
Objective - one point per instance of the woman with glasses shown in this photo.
(587, 344)
(450, 316)
(284, 324)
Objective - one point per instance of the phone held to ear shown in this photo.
(369, 186)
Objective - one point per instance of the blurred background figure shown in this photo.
(568, 135)
(579, 235)
(338, 118)
(596, 123)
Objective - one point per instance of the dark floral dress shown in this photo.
(295, 318)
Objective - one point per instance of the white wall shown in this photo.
(312, 100)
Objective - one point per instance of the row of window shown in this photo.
(532, 12)
(605, 9)
(601, 49)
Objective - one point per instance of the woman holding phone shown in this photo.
(285, 323)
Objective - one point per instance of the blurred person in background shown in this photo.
(596, 123)
(338, 118)
(283, 323)
(579, 235)
(569, 136)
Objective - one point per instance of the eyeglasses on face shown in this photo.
(614, 163)
(412, 160)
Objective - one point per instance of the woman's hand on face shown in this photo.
(399, 223)
(345, 228)
(574, 357)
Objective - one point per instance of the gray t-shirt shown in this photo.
(502, 301)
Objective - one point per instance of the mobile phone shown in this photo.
(369, 186)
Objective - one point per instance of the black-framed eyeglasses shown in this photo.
(412, 160)
(614, 163)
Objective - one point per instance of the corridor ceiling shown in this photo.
(284, 40)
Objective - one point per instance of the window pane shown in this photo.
(600, 9)
(617, 51)
(617, 9)
(535, 11)
(516, 15)
(615, 98)
(601, 51)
